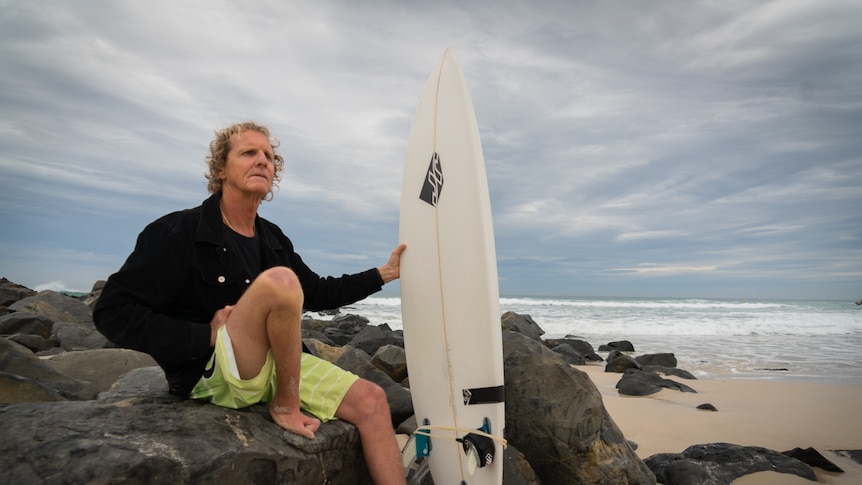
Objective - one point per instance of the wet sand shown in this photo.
(775, 414)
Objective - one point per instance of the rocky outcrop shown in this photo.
(26, 378)
(11, 292)
(138, 433)
(721, 464)
(66, 420)
(555, 415)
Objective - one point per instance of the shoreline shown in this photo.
(778, 414)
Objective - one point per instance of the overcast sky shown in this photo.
(666, 148)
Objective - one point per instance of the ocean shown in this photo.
(712, 338)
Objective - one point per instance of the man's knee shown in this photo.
(373, 399)
(280, 280)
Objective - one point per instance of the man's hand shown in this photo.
(219, 319)
(294, 421)
(392, 269)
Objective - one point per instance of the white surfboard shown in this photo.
(449, 294)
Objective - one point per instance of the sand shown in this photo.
(775, 414)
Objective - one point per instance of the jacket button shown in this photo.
(221, 279)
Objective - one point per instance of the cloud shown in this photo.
(624, 144)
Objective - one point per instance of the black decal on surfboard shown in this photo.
(484, 395)
(433, 182)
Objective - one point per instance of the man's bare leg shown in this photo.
(268, 316)
(365, 407)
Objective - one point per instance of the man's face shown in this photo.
(249, 168)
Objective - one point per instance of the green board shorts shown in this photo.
(322, 385)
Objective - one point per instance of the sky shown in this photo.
(652, 149)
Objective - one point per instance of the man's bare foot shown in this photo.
(294, 421)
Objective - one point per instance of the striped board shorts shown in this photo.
(322, 385)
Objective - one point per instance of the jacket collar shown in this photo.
(209, 229)
(210, 225)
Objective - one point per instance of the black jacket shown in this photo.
(181, 272)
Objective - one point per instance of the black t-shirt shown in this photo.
(248, 249)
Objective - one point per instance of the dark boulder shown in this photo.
(392, 360)
(102, 367)
(556, 417)
(619, 362)
(582, 347)
(670, 371)
(358, 362)
(523, 324)
(26, 378)
(721, 464)
(621, 345)
(663, 359)
(138, 433)
(26, 323)
(57, 307)
(11, 292)
(636, 382)
(79, 336)
(372, 338)
(813, 457)
(571, 356)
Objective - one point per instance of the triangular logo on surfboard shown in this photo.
(433, 182)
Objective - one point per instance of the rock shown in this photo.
(34, 342)
(26, 378)
(11, 292)
(619, 362)
(522, 324)
(91, 299)
(372, 338)
(707, 407)
(581, 346)
(664, 360)
(310, 323)
(102, 367)
(26, 323)
(324, 350)
(636, 382)
(358, 362)
(721, 464)
(79, 336)
(555, 415)
(136, 434)
(672, 371)
(813, 457)
(571, 356)
(516, 468)
(392, 360)
(57, 307)
(350, 320)
(855, 455)
(621, 345)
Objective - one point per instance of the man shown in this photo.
(215, 294)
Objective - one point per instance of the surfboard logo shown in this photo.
(433, 185)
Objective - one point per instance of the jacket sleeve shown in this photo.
(130, 309)
(331, 292)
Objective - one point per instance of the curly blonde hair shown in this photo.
(221, 146)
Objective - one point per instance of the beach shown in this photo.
(775, 414)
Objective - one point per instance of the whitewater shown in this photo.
(714, 338)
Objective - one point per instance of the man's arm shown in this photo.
(129, 310)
